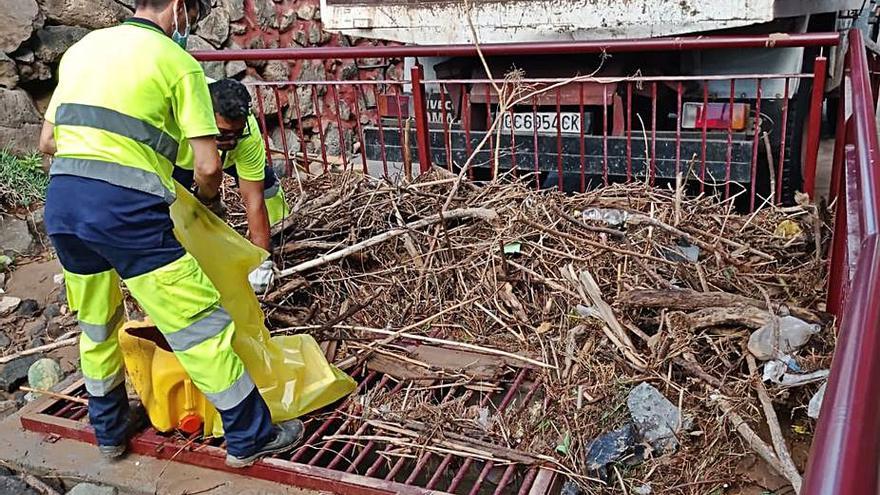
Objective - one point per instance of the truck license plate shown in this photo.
(544, 122)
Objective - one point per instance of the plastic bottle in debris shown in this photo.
(780, 337)
(610, 216)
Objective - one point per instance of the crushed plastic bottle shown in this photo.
(610, 216)
(815, 405)
(766, 344)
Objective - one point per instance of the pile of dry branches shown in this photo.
(595, 292)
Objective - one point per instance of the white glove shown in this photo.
(262, 277)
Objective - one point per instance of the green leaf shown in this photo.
(564, 445)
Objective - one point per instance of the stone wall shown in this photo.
(35, 33)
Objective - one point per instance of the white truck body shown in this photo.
(507, 21)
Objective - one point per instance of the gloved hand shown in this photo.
(214, 204)
(217, 207)
(262, 277)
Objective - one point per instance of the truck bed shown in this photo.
(505, 21)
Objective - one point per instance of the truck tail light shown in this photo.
(716, 116)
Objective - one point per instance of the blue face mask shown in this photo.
(176, 36)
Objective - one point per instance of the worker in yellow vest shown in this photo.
(243, 156)
(126, 97)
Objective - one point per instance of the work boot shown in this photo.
(136, 420)
(112, 452)
(287, 435)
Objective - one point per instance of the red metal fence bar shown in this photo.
(814, 125)
(546, 48)
(846, 448)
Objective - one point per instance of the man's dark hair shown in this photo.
(230, 99)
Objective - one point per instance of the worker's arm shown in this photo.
(191, 107)
(257, 216)
(47, 138)
(206, 166)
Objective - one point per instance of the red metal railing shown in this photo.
(628, 127)
(846, 449)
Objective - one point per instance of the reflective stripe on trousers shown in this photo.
(97, 299)
(185, 306)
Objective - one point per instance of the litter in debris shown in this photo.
(782, 336)
(815, 404)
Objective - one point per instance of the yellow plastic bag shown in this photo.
(291, 372)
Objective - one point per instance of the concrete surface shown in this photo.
(134, 475)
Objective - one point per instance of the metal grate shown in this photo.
(337, 466)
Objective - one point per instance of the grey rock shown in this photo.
(8, 72)
(92, 14)
(656, 418)
(306, 11)
(310, 124)
(90, 489)
(344, 110)
(55, 328)
(304, 102)
(369, 62)
(313, 70)
(349, 71)
(368, 98)
(291, 138)
(610, 448)
(25, 55)
(8, 304)
(570, 488)
(36, 328)
(266, 13)
(14, 373)
(215, 28)
(270, 105)
(301, 37)
(129, 4)
(2, 280)
(234, 8)
(61, 297)
(18, 19)
(287, 19)
(15, 237)
(28, 308)
(643, 489)
(279, 166)
(52, 310)
(6, 471)
(45, 374)
(53, 41)
(235, 68)
(238, 28)
(37, 71)
(314, 34)
(4, 341)
(276, 70)
(214, 70)
(334, 142)
(14, 485)
(255, 44)
(37, 221)
(19, 123)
